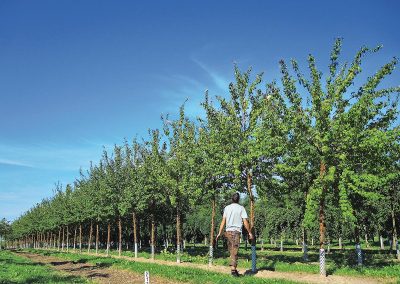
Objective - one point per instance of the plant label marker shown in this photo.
(322, 268)
(146, 277)
(253, 259)
(359, 254)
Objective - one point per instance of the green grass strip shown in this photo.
(15, 269)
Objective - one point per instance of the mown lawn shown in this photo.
(15, 269)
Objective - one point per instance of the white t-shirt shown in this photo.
(234, 213)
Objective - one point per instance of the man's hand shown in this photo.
(217, 237)
(251, 236)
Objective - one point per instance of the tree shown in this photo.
(336, 123)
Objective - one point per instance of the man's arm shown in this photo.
(221, 227)
(246, 225)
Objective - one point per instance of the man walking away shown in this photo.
(234, 217)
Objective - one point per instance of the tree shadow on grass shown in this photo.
(103, 264)
(53, 279)
(13, 262)
(56, 263)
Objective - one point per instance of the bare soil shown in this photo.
(96, 273)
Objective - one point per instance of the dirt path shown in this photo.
(93, 271)
(98, 274)
(293, 276)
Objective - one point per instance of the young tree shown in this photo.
(182, 140)
(337, 122)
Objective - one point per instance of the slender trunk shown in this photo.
(252, 227)
(381, 240)
(59, 238)
(251, 197)
(366, 236)
(153, 229)
(322, 225)
(212, 231)
(178, 235)
(119, 236)
(394, 230)
(108, 238)
(62, 243)
(80, 237)
(97, 237)
(67, 238)
(305, 249)
(75, 239)
(395, 241)
(358, 246)
(90, 235)
(340, 243)
(135, 234)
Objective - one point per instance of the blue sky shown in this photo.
(79, 75)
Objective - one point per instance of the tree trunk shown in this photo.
(90, 236)
(305, 249)
(381, 240)
(251, 197)
(366, 236)
(178, 235)
(75, 239)
(153, 229)
(59, 238)
(211, 254)
(135, 234)
(62, 243)
(395, 241)
(322, 225)
(252, 228)
(119, 236)
(97, 238)
(108, 238)
(394, 230)
(358, 246)
(67, 238)
(80, 237)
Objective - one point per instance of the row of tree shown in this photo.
(319, 155)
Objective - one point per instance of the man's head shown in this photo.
(235, 197)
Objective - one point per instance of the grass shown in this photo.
(16, 269)
(182, 274)
(377, 263)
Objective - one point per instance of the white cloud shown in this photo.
(15, 163)
(221, 82)
(50, 156)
